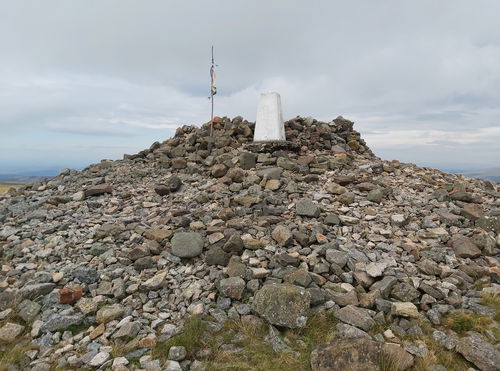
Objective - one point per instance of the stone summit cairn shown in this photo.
(174, 257)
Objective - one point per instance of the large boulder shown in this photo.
(187, 244)
(478, 351)
(358, 354)
(283, 305)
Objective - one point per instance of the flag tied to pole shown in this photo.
(213, 89)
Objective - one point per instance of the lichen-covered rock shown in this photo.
(10, 331)
(187, 244)
(359, 354)
(478, 351)
(355, 316)
(404, 309)
(232, 287)
(306, 207)
(283, 305)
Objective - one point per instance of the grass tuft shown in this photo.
(462, 322)
(492, 301)
(387, 362)
(257, 353)
(12, 354)
(439, 355)
(191, 338)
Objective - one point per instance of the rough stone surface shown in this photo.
(283, 305)
(187, 244)
(232, 287)
(404, 309)
(355, 316)
(306, 207)
(478, 351)
(316, 223)
(346, 354)
(464, 247)
(10, 331)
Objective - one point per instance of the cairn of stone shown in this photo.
(100, 266)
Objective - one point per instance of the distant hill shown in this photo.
(490, 174)
(28, 176)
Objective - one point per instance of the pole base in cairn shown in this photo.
(269, 125)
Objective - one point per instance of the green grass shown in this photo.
(462, 322)
(256, 353)
(492, 301)
(386, 362)
(13, 353)
(75, 329)
(439, 355)
(191, 338)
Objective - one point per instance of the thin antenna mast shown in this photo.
(213, 90)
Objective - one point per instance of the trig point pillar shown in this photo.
(269, 123)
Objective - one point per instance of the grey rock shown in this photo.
(347, 354)
(446, 341)
(347, 331)
(306, 207)
(405, 292)
(331, 219)
(128, 330)
(247, 160)
(86, 275)
(356, 317)
(336, 256)
(375, 195)
(217, 256)
(234, 244)
(36, 290)
(10, 332)
(232, 287)
(187, 244)
(274, 338)
(489, 223)
(177, 353)
(58, 322)
(478, 351)
(109, 313)
(283, 305)
(28, 310)
(270, 172)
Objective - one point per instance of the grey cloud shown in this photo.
(142, 67)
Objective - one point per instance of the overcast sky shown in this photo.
(85, 80)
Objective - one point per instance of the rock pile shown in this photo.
(123, 251)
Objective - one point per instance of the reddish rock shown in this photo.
(70, 295)
(305, 160)
(472, 211)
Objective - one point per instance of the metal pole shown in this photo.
(212, 94)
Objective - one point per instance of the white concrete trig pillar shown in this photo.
(269, 123)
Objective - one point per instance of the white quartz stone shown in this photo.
(269, 124)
